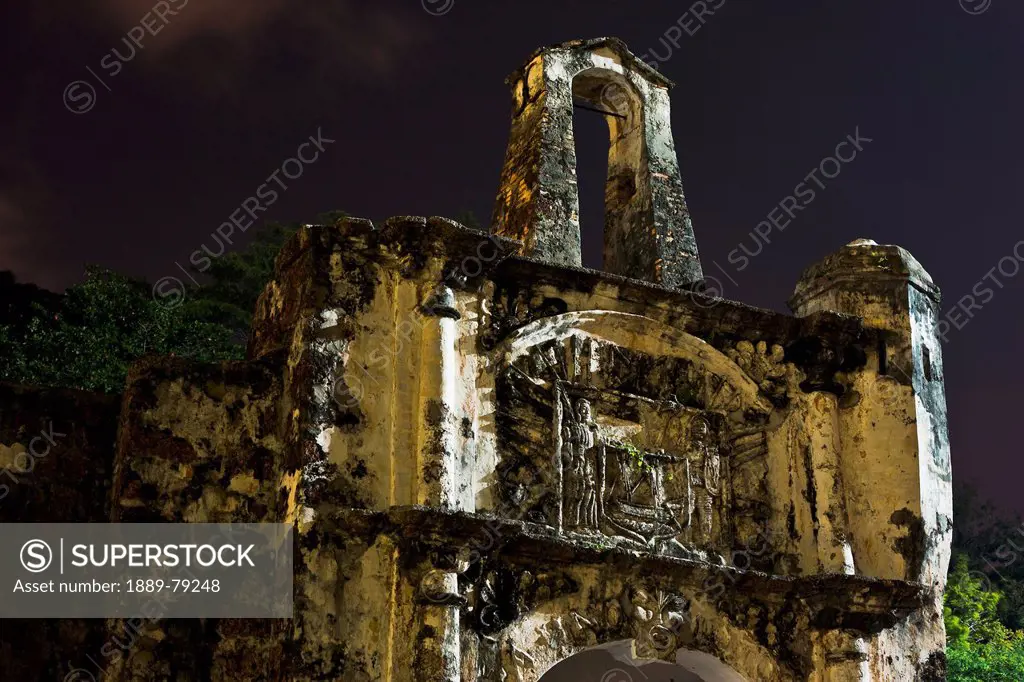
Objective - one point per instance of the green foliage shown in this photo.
(90, 336)
(989, 538)
(100, 328)
(985, 663)
(636, 456)
(979, 647)
(971, 610)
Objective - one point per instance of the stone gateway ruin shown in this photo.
(496, 460)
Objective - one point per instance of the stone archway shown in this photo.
(614, 663)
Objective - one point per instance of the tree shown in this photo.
(90, 336)
(19, 302)
(970, 610)
(235, 281)
(985, 663)
(979, 647)
(989, 538)
(99, 329)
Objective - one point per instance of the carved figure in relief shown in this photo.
(580, 441)
(708, 471)
(516, 664)
(659, 619)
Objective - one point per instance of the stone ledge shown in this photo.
(614, 44)
(834, 600)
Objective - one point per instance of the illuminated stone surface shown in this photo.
(497, 460)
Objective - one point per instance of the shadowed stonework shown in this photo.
(496, 460)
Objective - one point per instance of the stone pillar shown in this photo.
(437, 468)
(845, 657)
(648, 234)
(806, 480)
(440, 655)
(824, 484)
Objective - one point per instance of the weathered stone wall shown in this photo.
(418, 354)
(57, 454)
(56, 465)
(407, 420)
(201, 444)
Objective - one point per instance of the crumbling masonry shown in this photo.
(496, 459)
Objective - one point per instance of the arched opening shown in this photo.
(590, 134)
(648, 234)
(615, 663)
(606, 217)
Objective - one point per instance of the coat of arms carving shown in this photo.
(626, 442)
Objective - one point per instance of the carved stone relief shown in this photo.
(516, 664)
(766, 366)
(655, 620)
(634, 443)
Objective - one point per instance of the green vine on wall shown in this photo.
(637, 457)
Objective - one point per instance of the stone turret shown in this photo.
(894, 458)
(648, 234)
(896, 447)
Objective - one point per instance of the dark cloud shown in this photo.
(217, 52)
(365, 37)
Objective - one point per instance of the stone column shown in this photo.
(845, 657)
(824, 484)
(437, 467)
(895, 457)
(440, 655)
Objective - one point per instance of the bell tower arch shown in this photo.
(648, 232)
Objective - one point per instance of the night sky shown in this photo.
(413, 95)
